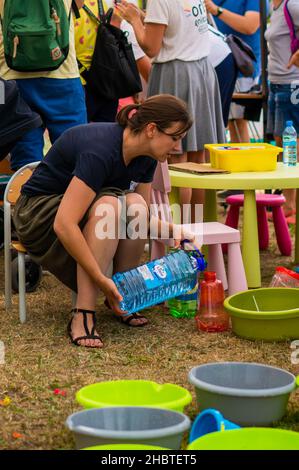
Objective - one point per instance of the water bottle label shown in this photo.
(145, 273)
(155, 274)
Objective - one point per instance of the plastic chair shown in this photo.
(11, 195)
(262, 202)
(212, 234)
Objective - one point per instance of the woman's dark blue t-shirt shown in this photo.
(92, 153)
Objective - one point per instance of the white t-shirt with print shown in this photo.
(186, 37)
(219, 48)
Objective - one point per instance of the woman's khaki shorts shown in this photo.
(34, 218)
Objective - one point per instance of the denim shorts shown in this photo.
(283, 105)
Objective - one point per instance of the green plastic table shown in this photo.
(282, 178)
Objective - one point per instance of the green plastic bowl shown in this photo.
(270, 314)
(248, 439)
(134, 393)
(125, 447)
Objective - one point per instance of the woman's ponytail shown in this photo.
(123, 117)
(162, 110)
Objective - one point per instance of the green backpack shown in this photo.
(35, 34)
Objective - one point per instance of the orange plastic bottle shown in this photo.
(211, 315)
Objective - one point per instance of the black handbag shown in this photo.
(242, 53)
(113, 72)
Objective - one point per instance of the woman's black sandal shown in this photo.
(89, 334)
(128, 317)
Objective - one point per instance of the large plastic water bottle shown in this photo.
(159, 280)
(289, 139)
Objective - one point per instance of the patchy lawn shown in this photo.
(39, 359)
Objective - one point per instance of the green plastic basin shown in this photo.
(248, 439)
(125, 447)
(269, 314)
(134, 393)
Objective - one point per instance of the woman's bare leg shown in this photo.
(238, 129)
(129, 251)
(103, 251)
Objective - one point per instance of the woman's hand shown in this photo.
(180, 234)
(128, 11)
(113, 297)
(211, 7)
(294, 60)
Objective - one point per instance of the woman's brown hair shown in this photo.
(162, 110)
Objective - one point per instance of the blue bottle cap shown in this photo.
(201, 263)
(197, 256)
(289, 123)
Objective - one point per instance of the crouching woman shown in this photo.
(91, 167)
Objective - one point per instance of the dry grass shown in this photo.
(39, 359)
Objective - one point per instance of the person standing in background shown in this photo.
(222, 59)
(175, 34)
(241, 17)
(100, 109)
(284, 81)
(57, 96)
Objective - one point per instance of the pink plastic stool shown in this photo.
(262, 201)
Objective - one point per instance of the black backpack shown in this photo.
(113, 73)
(16, 118)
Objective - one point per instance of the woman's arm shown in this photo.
(245, 24)
(294, 11)
(294, 60)
(75, 202)
(144, 67)
(148, 35)
(161, 228)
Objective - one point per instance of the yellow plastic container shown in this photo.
(244, 157)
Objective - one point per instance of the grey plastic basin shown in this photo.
(246, 393)
(130, 424)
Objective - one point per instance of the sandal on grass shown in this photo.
(89, 334)
(127, 318)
